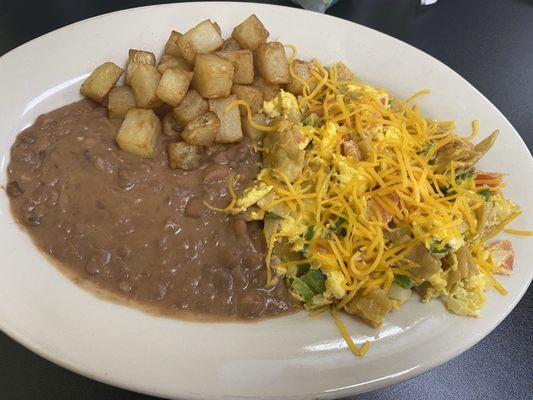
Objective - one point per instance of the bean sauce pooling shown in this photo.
(133, 226)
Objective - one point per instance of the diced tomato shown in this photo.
(502, 256)
(490, 179)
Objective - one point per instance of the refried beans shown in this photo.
(135, 228)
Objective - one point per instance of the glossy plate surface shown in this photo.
(290, 357)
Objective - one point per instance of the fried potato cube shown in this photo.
(137, 57)
(138, 132)
(213, 76)
(243, 62)
(250, 131)
(250, 33)
(344, 74)
(230, 45)
(121, 99)
(202, 130)
(144, 83)
(173, 86)
(272, 63)
(269, 89)
(251, 95)
(203, 38)
(101, 81)
(230, 122)
(172, 62)
(184, 155)
(190, 107)
(171, 47)
(302, 70)
(169, 125)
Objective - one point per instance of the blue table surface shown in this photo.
(488, 42)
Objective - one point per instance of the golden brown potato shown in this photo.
(137, 57)
(144, 83)
(121, 99)
(230, 45)
(169, 125)
(184, 155)
(243, 62)
(213, 76)
(173, 86)
(250, 131)
(269, 89)
(230, 122)
(250, 33)
(190, 107)
(172, 62)
(202, 130)
(251, 95)
(203, 38)
(138, 132)
(171, 48)
(272, 63)
(302, 70)
(343, 72)
(101, 81)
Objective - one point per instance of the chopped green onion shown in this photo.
(303, 269)
(309, 284)
(484, 193)
(273, 215)
(404, 281)
(310, 233)
(437, 249)
(336, 227)
(469, 173)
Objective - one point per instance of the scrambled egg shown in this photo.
(283, 104)
(252, 195)
(443, 236)
(292, 229)
(468, 297)
(334, 285)
(350, 174)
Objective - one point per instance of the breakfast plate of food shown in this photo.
(249, 201)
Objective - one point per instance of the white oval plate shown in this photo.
(289, 357)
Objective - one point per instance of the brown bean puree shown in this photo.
(133, 226)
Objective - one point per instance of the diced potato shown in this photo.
(203, 38)
(172, 48)
(173, 86)
(250, 33)
(243, 62)
(173, 62)
(230, 45)
(170, 126)
(101, 81)
(272, 63)
(202, 130)
(343, 72)
(137, 57)
(230, 122)
(144, 83)
(121, 99)
(250, 131)
(190, 107)
(184, 155)
(302, 70)
(213, 76)
(269, 89)
(138, 132)
(251, 95)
